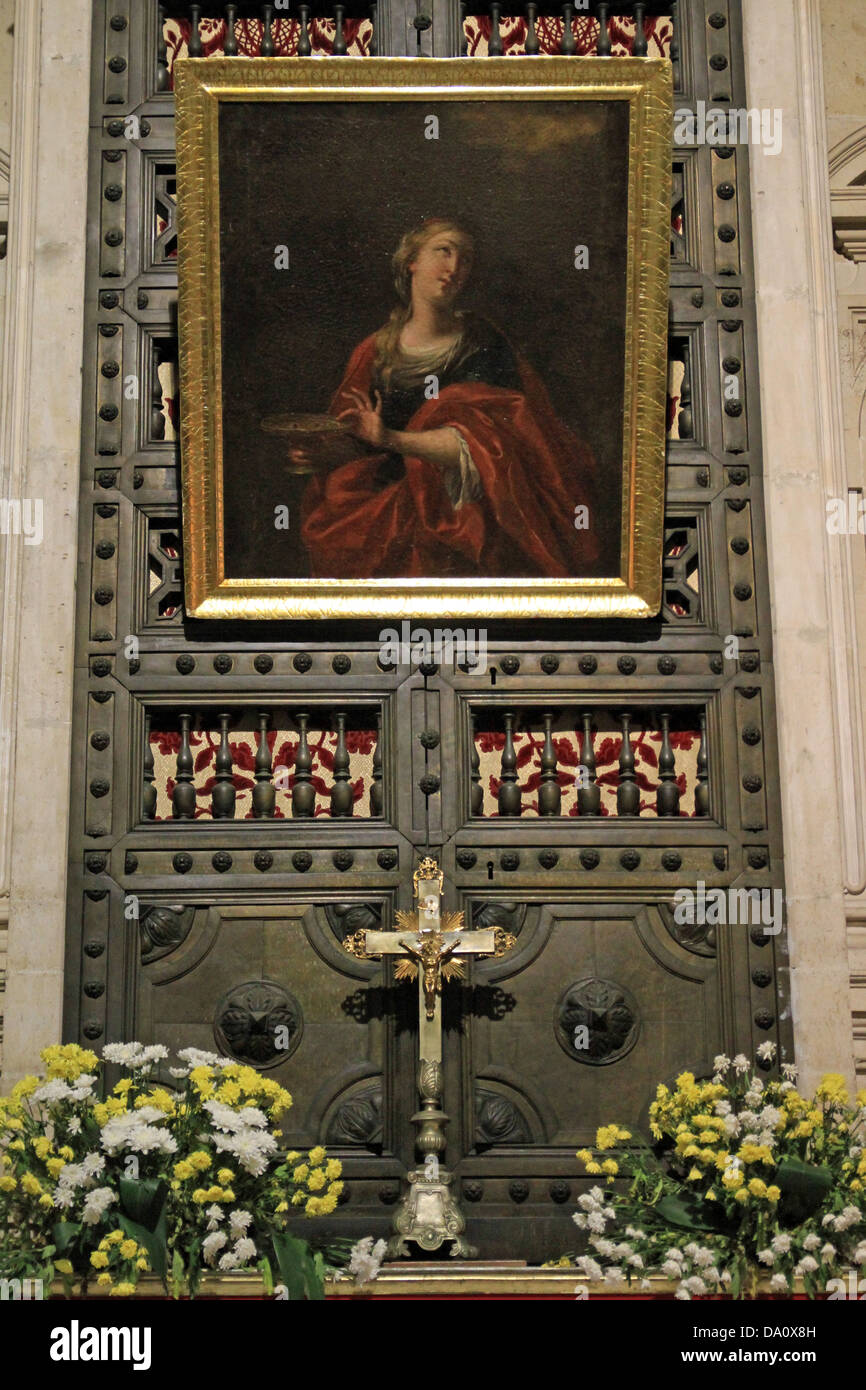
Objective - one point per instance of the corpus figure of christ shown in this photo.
(456, 463)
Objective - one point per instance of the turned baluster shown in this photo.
(531, 45)
(339, 50)
(303, 791)
(223, 795)
(627, 792)
(668, 794)
(161, 52)
(494, 44)
(157, 417)
(639, 49)
(568, 45)
(702, 790)
(194, 47)
(602, 46)
(341, 791)
(264, 793)
(183, 795)
(376, 784)
(148, 796)
(267, 48)
(476, 793)
(305, 48)
(588, 791)
(230, 44)
(509, 791)
(549, 794)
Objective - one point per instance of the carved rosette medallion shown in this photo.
(596, 1021)
(259, 1022)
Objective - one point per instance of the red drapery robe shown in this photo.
(533, 471)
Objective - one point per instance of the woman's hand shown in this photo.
(366, 421)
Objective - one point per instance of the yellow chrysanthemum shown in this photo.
(337, 1187)
(31, 1185)
(129, 1249)
(141, 1263)
(316, 1181)
(67, 1061)
(313, 1206)
(301, 1173)
(63, 1266)
(123, 1289)
(757, 1187)
(333, 1169)
(200, 1160)
(593, 1168)
(694, 1176)
(184, 1170)
(46, 1201)
(611, 1166)
(741, 1195)
(55, 1166)
(317, 1156)
(327, 1204)
(225, 1176)
(41, 1147)
(105, 1280)
(99, 1259)
(7, 1183)
(773, 1193)
(832, 1087)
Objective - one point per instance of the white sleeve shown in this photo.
(463, 484)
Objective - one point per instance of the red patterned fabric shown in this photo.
(621, 30)
(357, 34)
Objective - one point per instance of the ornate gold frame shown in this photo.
(645, 83)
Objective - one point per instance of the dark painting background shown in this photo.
(339, 183)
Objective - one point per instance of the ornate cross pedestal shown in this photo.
(428, 945)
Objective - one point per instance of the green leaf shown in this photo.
(143, 1199)
(804, 1187)
(177, 1273)
(153, 1241)
(298, 1269)
(691, 1212)
(64, 1234)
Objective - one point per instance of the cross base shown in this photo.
(429, 1215)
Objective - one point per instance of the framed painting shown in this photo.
(423, 336)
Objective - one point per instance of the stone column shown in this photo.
(40, 442)
(803, 462)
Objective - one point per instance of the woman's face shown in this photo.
(442, 267)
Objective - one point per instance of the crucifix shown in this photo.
(429, 943)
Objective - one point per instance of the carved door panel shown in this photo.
(183, 729)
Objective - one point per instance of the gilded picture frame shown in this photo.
(207, 88)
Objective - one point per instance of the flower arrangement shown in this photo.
(744, 1178)
(102, 1186)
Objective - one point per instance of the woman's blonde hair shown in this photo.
(410, 244)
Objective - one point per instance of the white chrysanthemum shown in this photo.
(811, 1242)
(790, 1071)
(781, 1243)
(229, 1260)
(672, 1269)
(696, 1285)
(613, 1274)
(827, 1251)
(235, 1121)
(124, 1054)
(365, 1259)
(722, 1107)
(808, 1264)
(73, 1124)
(721, 1063)
(214, 1216)
(604, 1247)
(252, 1151)
(96, 1204)
(849, 1216)
(767, 1051)
(859, 1256)
(770, 1116)
(53, 1091)
(245, 1249)
(579, 1220)
(766, 1257)
(740, 1063)
(691, 1249)
(194, 1057)
(674, 1253)
(682, 1293)
(778, 1283)
(239, 1220)
(704, 1258)
(595, 1221)
(732, 1126)
(636, 1261)
(212, 1244)
(590, 1267)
